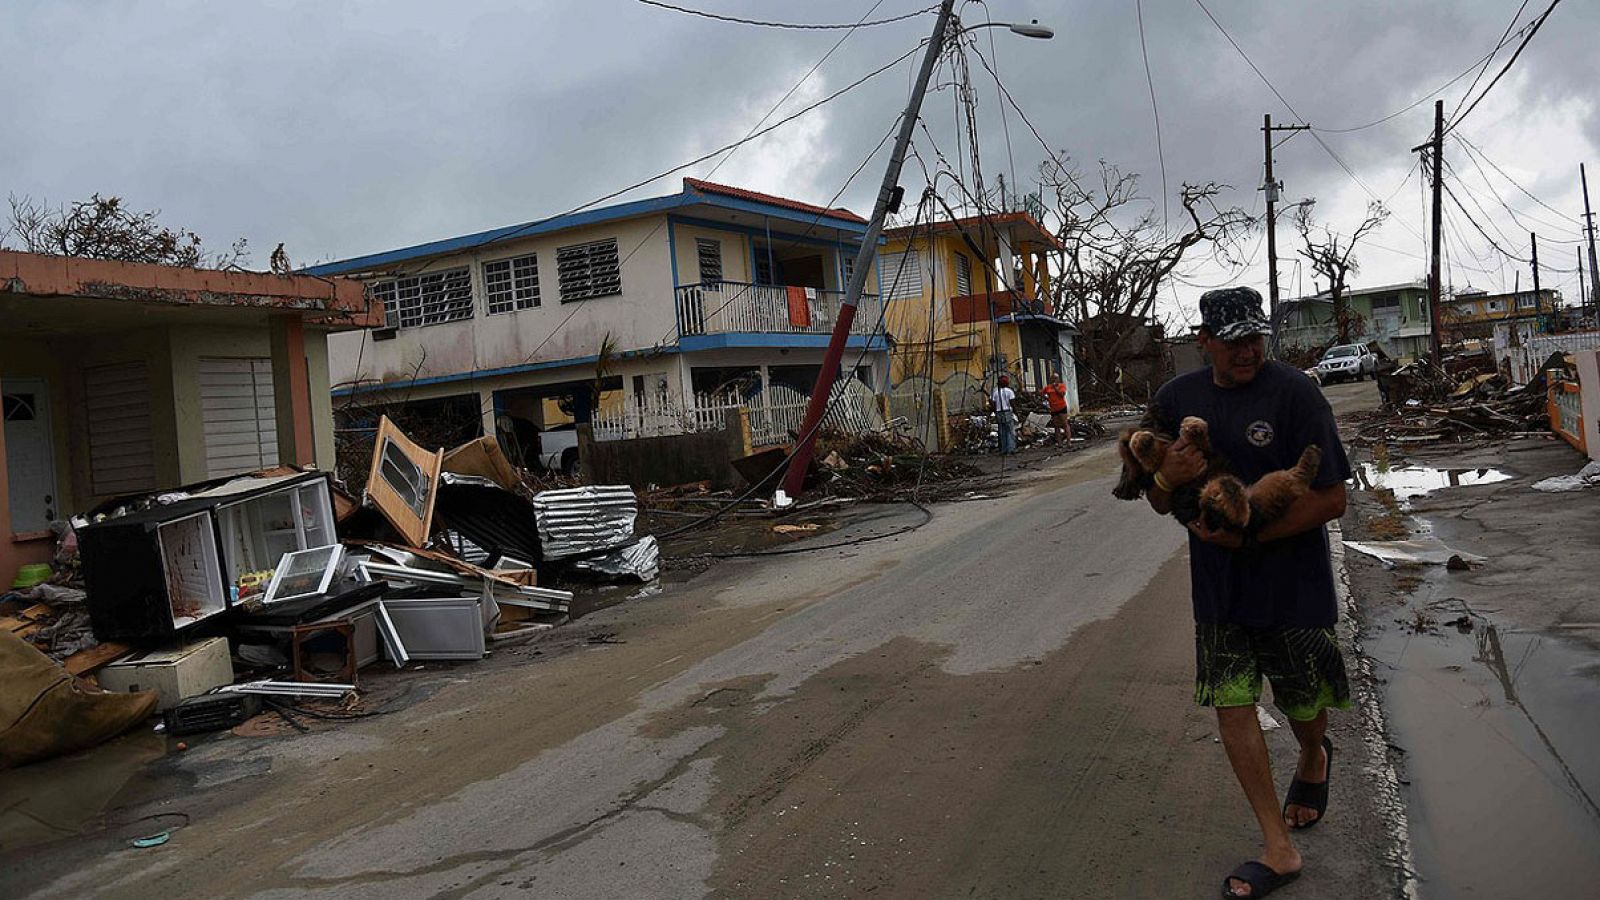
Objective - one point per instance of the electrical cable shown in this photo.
(1161, 154)
(798, 26)
(1537, 23)
(1504, 38)
(1475, 149)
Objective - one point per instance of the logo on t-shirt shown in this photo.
(1259, 433)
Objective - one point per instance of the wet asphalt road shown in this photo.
(994, 705)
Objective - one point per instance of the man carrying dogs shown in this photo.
(1264, 603)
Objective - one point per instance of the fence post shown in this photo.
(883, 407)
(586, 452)
(941, 422)
(742, 422)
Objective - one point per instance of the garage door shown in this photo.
(121, 454)
(238, 415)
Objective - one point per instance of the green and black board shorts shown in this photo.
(1303, 665)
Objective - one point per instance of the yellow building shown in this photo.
(953, 316)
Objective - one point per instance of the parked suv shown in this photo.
(1351, 361)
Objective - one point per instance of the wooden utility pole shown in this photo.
(1583, 289)
(1594, 267)
(1435, 291)
(1538, 301)
(1272, 188)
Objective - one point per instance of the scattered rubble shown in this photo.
(1425, 405)
(252, 595)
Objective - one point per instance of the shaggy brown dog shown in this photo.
(1217, 497)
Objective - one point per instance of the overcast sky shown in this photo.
(342, 127)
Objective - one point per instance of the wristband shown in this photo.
(1162, 483)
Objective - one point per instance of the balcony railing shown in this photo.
(721, 307)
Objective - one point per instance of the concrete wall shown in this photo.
(666, 461)
(643, 316)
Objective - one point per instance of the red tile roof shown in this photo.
(710, 187)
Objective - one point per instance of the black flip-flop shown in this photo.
(1311, 796)
(1261, 878)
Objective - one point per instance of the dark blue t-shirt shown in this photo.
(1258, 428)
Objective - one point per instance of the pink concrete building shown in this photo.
(121, 378)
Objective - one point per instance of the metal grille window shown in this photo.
(427, 299)
(963, 275)
(849, 267)
(511, 284)
(901, 275)
(589, 270)
(710, 254)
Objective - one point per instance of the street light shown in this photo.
(1030, 29)
(800, 457)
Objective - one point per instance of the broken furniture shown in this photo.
(174, 674)
(300, 656)
(403, 482)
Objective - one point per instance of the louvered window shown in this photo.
(511, 284)
(901, 274)
(849, 268)
(710, 254)
(589, 270)
(426, 299)
(963, 275)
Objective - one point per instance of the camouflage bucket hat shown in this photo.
(1233, 313)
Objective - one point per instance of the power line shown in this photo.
(1161, 155)
(1482, 61)
(1456, 120)
(798, 26)
(1289, 106)
(1485, 67)
(1474, 148)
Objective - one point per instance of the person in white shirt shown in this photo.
(1001, 399)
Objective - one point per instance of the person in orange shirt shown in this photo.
(1055, 394)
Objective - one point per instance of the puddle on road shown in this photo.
(1409, 482)
(1502, 757)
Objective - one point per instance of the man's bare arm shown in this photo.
(1182, 465)
(1317, 507)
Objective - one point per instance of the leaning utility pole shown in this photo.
(1594, 267)
(1435, 291)
(1272, 188)
(800, 460)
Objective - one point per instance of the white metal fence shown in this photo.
(1527, 350)
(776, 414)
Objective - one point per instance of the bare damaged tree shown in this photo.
(1333, 256)
(1119, 254)
(105, 228)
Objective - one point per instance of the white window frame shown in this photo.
(588, 271)
(511, 284)
(427, 298)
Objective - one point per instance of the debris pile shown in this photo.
(211, 602)
(1427, 406)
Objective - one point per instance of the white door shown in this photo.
(30, 458)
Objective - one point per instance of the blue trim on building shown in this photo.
(752, 340)
(672, 252)
(751, 231)
(502, 370)
(627, 210)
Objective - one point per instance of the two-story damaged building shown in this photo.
(969, 299)
(1394, 315)
(711, 290)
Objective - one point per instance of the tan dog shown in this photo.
(1217, 497)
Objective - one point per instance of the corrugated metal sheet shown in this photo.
(576, 521)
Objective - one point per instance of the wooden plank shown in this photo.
(91, 659)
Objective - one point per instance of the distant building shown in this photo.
(1394, 315)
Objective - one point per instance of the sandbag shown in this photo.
(45, 712)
